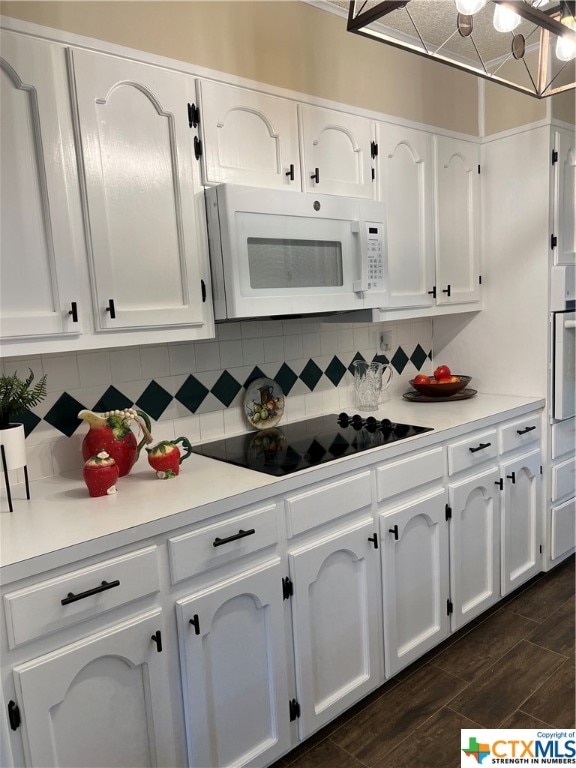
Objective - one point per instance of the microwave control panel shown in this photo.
(376, 273)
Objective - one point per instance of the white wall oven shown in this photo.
(563, 331)
(276, 252)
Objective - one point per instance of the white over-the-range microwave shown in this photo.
(278, 253)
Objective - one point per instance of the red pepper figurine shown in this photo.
(165, 457)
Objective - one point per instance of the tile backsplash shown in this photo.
(196, 389)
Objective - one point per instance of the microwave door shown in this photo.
(564, 369)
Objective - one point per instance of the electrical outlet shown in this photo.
(384, 341)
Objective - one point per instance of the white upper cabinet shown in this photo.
(565, 197)
(40, 200)
(457, 220)
(145, 214)
(406, 185)
(337, 152)
(250, 137)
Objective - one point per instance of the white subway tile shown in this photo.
(274, 349)
(293, 347)
(234, 421)
(155, 361)
(251, 329)
(361, 338)
(94, 368)
(253, 351)
(311, 346)
(228, 331)
(125, 365)
(189, 426)
(208, 356)
(211, 425)
(230, 354)
(182, 358)
(39, 461)
(62, 372)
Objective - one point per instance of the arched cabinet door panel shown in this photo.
(250, 138)
(40, 224)
(565, 197)
(474, 545)
(457, 220)
(144, 202)
(337, 152)
(104, 700)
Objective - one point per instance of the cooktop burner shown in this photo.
(302, 444)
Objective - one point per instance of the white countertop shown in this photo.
(60, 514)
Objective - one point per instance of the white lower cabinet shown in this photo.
(521, 520)
(234, 670)
(415, 578)
(336, 620)
(104, 700)
(474, 545)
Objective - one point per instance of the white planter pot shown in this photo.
(13, 440)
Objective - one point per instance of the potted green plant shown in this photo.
(17, 396)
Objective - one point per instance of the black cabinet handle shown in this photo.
(240, 535)
(374, 540)
(195, 621)
(316, 175)
(479, 447)
(111, 308)
(14, 717)
(446, 290)
(74, 311)
(394, 530)
(499, 483)
(512, 477)
(433, 292)
(157, 637)
(72, 598)
(523, 431)
(290, 173)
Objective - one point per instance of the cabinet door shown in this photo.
(249, 137)
(144, 201)
(474, 545)
(336, 618)
(457, 221)
(232, 638)
(565, 197)
(406, 187)
(40, 197)
(336, 150)
(521, 520)
(102, 701)
(414, 579)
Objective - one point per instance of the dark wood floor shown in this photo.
(511, 668)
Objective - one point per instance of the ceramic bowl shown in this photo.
(440, 389)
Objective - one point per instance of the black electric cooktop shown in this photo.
(302, 444)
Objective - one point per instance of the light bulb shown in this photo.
(505, 20)
(566, 48)
(470, 7)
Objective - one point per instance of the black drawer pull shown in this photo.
(316, 175)
(394, 530)
(240, 535)
(479, 447)
(111, 308)
(446, 290)
(523, 431)
(290, 172)
(74, 311)
(71, 598)
(512, 477)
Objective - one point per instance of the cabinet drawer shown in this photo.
(328, 502)
(563, 479)
(79, 595)
(216, 544)
(563, 528)
(520, 433)
(472, 452)
(406, 474)
(563, 437)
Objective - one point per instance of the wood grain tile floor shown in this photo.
(513, 667)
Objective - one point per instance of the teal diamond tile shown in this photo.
(154, 400)
(112, 400)
(286, 378)
(256, 373)
(191, 393)
(335, 371)
(399, 360)
(30, 421)
(381, 359)
(310, 374)
(226, 388)
(64, 414)
(357, 356)
(418, 357)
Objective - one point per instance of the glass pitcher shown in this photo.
(369, 381)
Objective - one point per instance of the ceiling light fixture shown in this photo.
(528, 45)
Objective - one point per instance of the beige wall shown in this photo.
(287, 44)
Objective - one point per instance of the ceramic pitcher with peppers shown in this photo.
(165, 457)
(112, 432)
